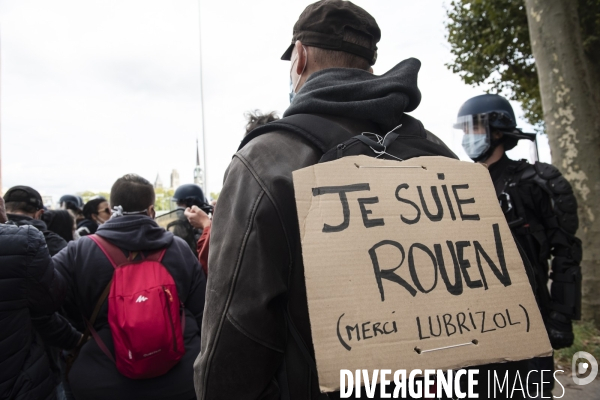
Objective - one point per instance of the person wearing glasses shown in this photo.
(96, 212)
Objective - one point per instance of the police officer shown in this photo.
(540, 209)
(185, 196)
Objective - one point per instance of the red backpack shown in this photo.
(144, 313)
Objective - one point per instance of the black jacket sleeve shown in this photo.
(243, 331)
(565, 250)
(45, 285)
(197, 290)
(56, 331)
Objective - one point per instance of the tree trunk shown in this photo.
(571, 103)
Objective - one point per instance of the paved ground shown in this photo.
(576, 392)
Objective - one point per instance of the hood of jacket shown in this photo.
(135, 233)
(355, 93)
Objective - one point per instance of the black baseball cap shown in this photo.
(322, 24)
(24, 194)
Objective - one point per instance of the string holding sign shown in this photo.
(390, 166)
(474, 341)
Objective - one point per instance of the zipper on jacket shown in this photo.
(168, 292)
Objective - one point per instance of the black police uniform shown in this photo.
(541, 211)
(182, 228)
(188, 195)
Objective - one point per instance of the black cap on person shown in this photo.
(24, 194)
(322, 24)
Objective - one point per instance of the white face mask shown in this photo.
(292, 86)
(475, 144)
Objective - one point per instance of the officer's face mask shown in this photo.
(476, 135)
(292, 86)
(475, 144)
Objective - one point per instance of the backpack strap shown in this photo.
(304, 125)
(90, 324)
(115, 254)
(112, 252)
(156, 255)
(90, 331)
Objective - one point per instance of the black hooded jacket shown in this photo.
(88, 271)
(54, 241)
(255, 254)
(29, 286)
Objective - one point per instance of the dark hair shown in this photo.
(132, 192)
(91, 207)
(256, 118)
(20, 206)
(340, 59)
(59, 222)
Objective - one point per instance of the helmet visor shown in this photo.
(476, 139)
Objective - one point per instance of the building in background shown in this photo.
(174, 179)
(158, 182)
(47, 200)
(198, 175)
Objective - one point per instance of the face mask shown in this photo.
(292, 86)
(475, 144)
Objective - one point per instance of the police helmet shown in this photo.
(482, 115)
(190, 195)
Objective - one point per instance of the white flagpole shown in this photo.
(204, 180)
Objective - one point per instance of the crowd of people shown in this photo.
(99, 301)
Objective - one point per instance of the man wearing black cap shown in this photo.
(24, 206)
(256, 290)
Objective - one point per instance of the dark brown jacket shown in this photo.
(256, 263)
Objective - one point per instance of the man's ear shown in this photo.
(3, 217)
(38, 214)
(497, 135)
(151, 212)
(302, 57)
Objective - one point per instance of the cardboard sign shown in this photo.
(411, 265)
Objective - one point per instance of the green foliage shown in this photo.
(163, 199)
(88, 195)
(490, 43)
(587, 338)
(589, 18)
(214, 195)
(491, 46)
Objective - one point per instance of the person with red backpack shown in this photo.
(138, 292)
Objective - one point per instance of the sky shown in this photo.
(92, 90)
